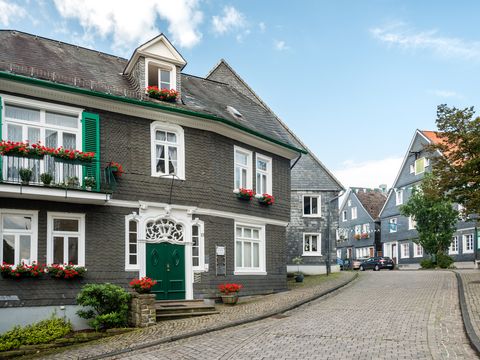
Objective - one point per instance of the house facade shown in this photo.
(398, 231)
(173, 215)
(359, 225)
(314, 190)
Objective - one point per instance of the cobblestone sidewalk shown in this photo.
(471, 288)
(246, 309)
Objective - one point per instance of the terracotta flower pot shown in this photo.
(230, 299)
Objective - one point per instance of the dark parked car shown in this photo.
(377, 263)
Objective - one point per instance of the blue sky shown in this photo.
(353, 79)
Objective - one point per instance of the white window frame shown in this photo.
(358, 229)
(354, 212)
(412, 168)
(248, 167)
(390, 222)
(128, 266)
(405, 250)
(453, 248)
(339, 253)
(399, 197)
(363, 252)
(268, 173)
(349, 202)
(81, 234)
(163, 66)
(411, 223)
(464, 243)
(319, 206)
(424, 165)
(201, 246)
(33, 232)
(178, 130)
(319, 245)
(344, 215)
(261, 270)
(417, 250)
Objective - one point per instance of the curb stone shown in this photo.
(467, 321)
(223, 326)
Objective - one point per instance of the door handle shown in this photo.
(168, 267)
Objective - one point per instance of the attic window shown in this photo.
(160, 75)
(234, 112)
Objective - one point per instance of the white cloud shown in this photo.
(280, 45)
(262, 26)
(369, 174)
(241, 36)
(446, 94)
(401, 35)
(9, 11)
(129, 25)
(230, 19)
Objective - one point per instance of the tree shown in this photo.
(434, 215)
(458, 167)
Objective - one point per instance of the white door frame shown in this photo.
(181, 217)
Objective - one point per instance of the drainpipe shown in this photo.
(328, 264)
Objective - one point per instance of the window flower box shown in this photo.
(23, 149)
(143, 285)
(72, 156)
(244, 194)
(116, 169)
(21, 270)
(357, 236)
(69, 271)
(365, 236)
(265, 199)
(162, 94)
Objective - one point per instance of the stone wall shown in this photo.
(142, 311)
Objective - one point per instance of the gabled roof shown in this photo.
(245, 89)
(372, 201)
(70, 67)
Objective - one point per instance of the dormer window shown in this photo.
(160, 74)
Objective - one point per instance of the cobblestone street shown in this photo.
(382, 315)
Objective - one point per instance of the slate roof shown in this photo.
(372, 201)
(68, 61)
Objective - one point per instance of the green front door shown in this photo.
(166, 264)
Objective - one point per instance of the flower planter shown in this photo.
(71, 161)
(244, 194)
(299, 278)
(230, 299)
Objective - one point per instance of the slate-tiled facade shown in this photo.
(366, 243)
(204, 197)
(394, 236)
(309, 177)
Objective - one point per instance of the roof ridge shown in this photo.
(13, 31)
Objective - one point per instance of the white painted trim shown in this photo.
(319, 245)
(386, 201)
(356, 213)
(464, 243)
(201, 245)
(249, 184)
(269, 162)
(53, 194)
(261, 250)
(148, 114)
(178, 130)
(363, 207)
(450, 251)
(128, 266)
(41, 105)
(402, 255)
(399, 197)
(415, 246)
(345, 200)
(81, 234)
(33, 232)
(319, 205)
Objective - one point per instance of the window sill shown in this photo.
(132, 269)
(239, 272)
(312, 254)
(418, 256)
(319, 216)
(453, 253)
(467, 252)
(167, 176)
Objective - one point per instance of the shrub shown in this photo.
(46, 178)
(107, 305)
(444, 261)
(39, 333)
(427, 264)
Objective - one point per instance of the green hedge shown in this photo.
(39, 333)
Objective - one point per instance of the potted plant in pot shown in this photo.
(46, 179)
(229, 293)
(298, 276)
(143, 285)
(89, 182)
(25, 175)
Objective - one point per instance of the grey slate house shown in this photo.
(398, 231)
(359, 225)
(313, 187)
(173, 215)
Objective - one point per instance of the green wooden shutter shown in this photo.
(91, 143)
(1, 126)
